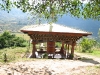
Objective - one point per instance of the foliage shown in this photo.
(45, 55)
(51, 9)
(87, 44)
(70, 56)
(58, 44)
(9, 40)
(98, 39)
(5, 5)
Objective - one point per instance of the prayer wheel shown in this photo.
(50, 47)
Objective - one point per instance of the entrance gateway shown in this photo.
(51, 33)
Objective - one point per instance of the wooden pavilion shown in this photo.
(52, 33)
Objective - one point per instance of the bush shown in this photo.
(9, 40)
(87, 44)
(45, 55)
(20, 42)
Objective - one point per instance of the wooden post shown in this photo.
(72, 50)
(33, 50)
(63, 45)
(68, 48)
(67, 45)
(63, 52)
(68, 54)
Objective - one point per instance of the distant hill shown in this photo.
(13, 21)
(16, 19)
(78, 23)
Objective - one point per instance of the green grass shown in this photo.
(95, 53)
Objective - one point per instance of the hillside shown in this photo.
(13, 20)
(16, 19)
(79, 23)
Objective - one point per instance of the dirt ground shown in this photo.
(85, 65)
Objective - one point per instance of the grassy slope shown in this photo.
(25, 36)
(13, 53)
(17, 52)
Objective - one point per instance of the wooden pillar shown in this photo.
(68, 54)
(63, 45)
(63, 52)
(72, 49)
(67, 45)
(33, 50)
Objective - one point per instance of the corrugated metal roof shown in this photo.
(52, 27)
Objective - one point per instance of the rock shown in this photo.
(9, 73)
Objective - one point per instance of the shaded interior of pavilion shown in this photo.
(53, 49)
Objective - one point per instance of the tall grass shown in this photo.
(13, 53)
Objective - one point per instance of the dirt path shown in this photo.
(43, 67)
(53, 67)
(92, 59)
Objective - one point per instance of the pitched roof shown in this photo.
(52, 28)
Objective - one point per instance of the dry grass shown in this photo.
(89, 70)
(25, 36)
(14, 54)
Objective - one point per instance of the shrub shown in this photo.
(87, 44)
(45, 55)
(9, 40)
(20, 42)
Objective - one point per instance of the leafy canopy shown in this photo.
(51, 9)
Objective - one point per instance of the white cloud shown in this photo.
(85, 1)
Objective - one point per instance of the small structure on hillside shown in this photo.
(52, 33)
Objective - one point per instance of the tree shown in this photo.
(51, 9)
(87, 44)
(98, 39)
